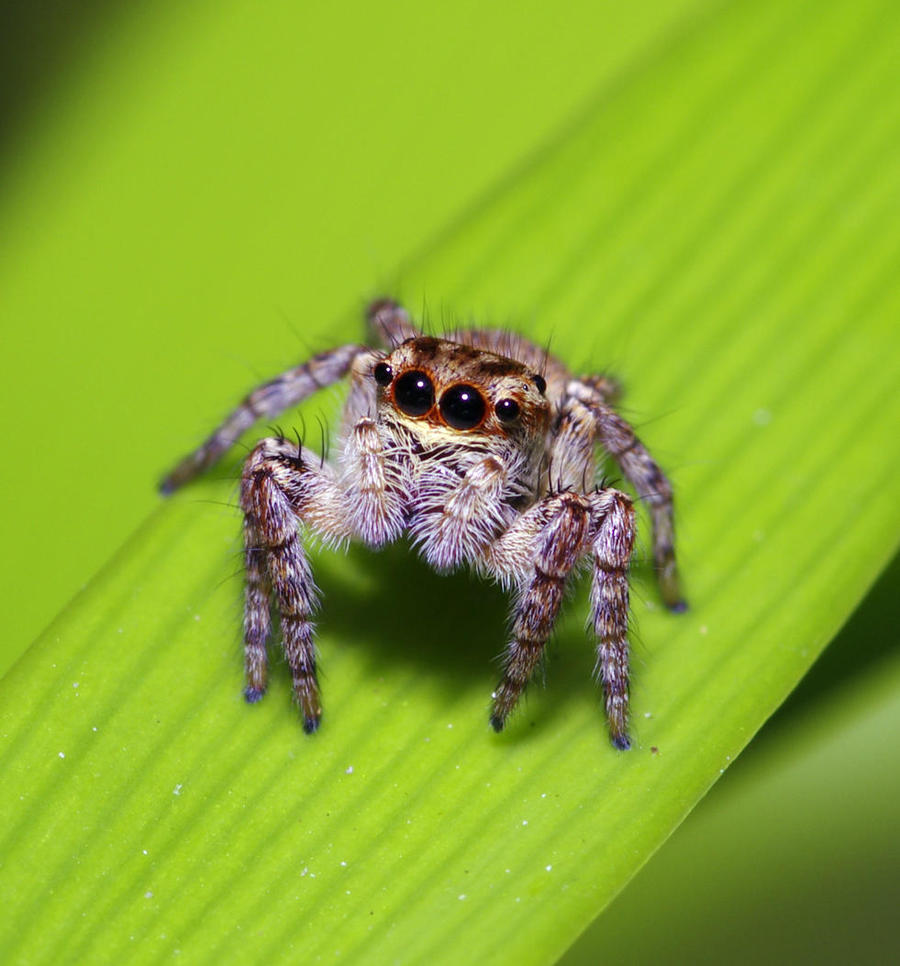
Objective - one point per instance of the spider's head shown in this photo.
(453, 393)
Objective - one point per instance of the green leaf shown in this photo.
(720, 227)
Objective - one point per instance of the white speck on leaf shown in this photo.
(62, 754)
(348, 770)
(177, 789)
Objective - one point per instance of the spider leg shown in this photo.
(281, 485)
(572, 447)
(607, 387)
(390, 323)
(257, 615)
(586, 405)
(362, 396)
(537, 553)
(266, 402)
(612, 545)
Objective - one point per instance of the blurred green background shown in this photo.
(315, 152)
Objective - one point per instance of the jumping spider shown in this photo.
(480, 447)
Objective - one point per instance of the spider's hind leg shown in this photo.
(389, 323)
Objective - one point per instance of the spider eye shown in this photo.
(383, 374)
(507, 410)
(463, 407)
(541, 383)
(414, 393)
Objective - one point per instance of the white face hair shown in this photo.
(481, 447)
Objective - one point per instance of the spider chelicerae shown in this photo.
(480, 446)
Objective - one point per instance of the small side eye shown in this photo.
(414, 393)
(541, 383)
(383, 374)
(507, 410)
(463, 407)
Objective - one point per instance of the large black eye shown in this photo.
(507, 410)
(383, 374)
(541, 383)
(414, 393)
(463, 407)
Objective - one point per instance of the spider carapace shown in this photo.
(480, 447)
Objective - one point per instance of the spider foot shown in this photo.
(670, 588)
(620, 741)
(505, 698)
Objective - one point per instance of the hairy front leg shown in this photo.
(537, 553)
(282, 485)
(257, 610)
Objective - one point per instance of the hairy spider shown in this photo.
(479, 446)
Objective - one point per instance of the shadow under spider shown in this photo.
(398, 611)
